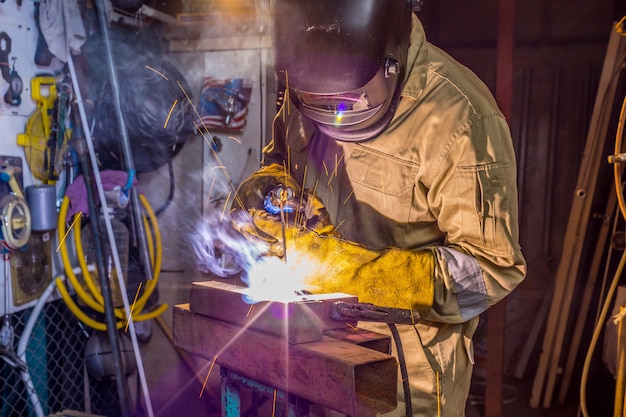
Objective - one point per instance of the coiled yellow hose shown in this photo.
(93, 299)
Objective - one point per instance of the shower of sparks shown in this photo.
(160, 73)
(170, 113)
(77, 217)
(207, 376)
(133, 306)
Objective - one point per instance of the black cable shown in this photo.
(403, 371)
(170, 197)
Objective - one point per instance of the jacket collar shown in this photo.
(417, 61)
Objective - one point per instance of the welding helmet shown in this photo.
(342, 62)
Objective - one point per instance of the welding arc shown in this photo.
(94, 298)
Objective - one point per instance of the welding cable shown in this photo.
(616, 165)
(87, 276)
(403, 370)
(596, 334)
(86, 297)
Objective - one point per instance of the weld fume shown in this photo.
(223, 251)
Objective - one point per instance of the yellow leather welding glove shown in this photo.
(394, 278)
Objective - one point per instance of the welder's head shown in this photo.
(343, 61)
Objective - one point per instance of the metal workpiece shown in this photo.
(301, 320)
(338, 374)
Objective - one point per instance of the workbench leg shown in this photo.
(285, 405)
(231, 398)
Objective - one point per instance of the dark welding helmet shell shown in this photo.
(343, 61)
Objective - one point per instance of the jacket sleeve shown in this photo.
(474, 197)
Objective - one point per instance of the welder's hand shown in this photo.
(252, 192)
(273, 190)
(395, 278)
(242, 221)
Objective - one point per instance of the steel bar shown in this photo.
(342, 376)
(302, 320)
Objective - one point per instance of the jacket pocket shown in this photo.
(484, 198)
(384, 182)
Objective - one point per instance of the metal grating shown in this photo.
(54, 359)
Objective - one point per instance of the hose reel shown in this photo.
(15, 222)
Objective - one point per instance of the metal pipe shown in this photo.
(127, 154)
(92, 154)
(105, 286)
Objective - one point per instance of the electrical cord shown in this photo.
(14, 213)
(615, 159)
(408, 406)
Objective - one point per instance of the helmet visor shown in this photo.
(347, 108)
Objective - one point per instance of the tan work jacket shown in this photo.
(442, 176)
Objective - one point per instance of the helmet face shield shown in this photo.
(342, 60)
(346, 109)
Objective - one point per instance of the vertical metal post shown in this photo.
(105, 286)
(496, 324)
(127, 154)
(231, 398)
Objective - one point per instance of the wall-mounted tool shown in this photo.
(43, 139)
(13, 95)
(14, 213)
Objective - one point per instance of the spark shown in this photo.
(298, 217)
(160, 73)
(235, 139)
(348, 197)
(288, 158)
(325, 167)
(286, 97)
(339, 225)
(133, 306)
(224, 209)
(211, 190)
(207, 376)
(250, 310)
(80, 213)
(170, 113)
(274, 404)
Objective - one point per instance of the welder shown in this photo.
(414, 164)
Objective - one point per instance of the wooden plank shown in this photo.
(585, 302)
(567, 271)
(342, 376)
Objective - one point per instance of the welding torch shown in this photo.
(281, 200)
